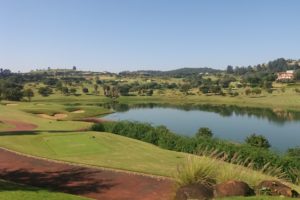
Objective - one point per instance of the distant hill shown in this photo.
(177, 72)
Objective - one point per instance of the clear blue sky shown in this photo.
(118, 35)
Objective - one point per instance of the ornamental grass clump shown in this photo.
(196, 170)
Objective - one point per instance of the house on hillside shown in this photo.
(288, 75)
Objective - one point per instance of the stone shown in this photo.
(195, 192)
(276, 188)
(233, 188)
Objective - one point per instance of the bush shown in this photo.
(204, 132)
(258, 141)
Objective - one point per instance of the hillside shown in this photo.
(181, 72)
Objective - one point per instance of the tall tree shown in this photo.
(28, 93)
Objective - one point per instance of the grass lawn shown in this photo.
(12, 191)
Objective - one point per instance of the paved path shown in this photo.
(84, 181)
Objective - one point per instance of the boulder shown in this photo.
(276, 188)
(233, 188)
(195, 192)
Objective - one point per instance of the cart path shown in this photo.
(83, 181)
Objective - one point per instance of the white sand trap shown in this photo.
(56, 116)
(12, 104)
(79, 111)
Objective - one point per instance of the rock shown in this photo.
(276, 188)
(233, 188)
(195, 192)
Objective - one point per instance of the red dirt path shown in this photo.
(19, 126)
(84, 181)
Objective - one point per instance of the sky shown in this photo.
(118, 35)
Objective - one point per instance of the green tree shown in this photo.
(297, 74)
(248, 91)
(85, 90)
(185, 88)
(229, 69)
(124, 90)
(45, 91)
(115, 92)
(106, 90)
(204, 132)
(73, 91)
(149, 92)
(258, 141)
(65, 90)
(96, 87)
(28, 93)
(256, 91)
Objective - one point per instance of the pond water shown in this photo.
(281, 128)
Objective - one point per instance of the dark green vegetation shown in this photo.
(258, 141)
(260, 158)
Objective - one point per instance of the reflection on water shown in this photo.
(278, 116)
(227, 122)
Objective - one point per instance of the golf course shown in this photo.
(48, 129)
(149, 100)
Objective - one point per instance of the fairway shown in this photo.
(98, 149)
(74, 144)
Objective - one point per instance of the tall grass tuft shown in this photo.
(198, 170)
(243, 166)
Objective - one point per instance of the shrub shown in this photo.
(98, 127)
(204, 132)
(258, 141)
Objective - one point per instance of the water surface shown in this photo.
(281, 128)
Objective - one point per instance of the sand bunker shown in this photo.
(56, 116)
(12, 104)
(79, 111)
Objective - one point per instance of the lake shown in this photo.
(281, 128)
